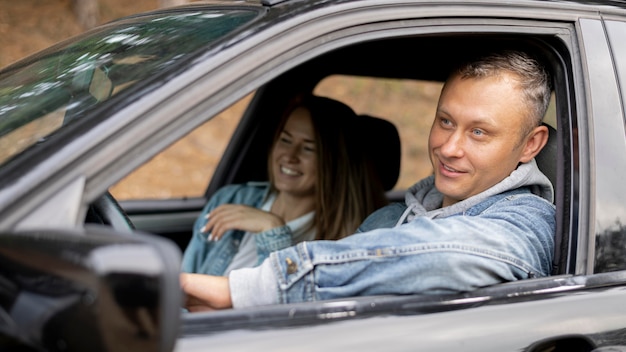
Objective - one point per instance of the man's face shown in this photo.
(475, 138)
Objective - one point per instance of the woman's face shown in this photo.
(294, 158)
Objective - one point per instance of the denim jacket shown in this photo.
(505, 233)
(207, 257)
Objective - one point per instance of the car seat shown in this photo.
(381, 144)
(546, 159)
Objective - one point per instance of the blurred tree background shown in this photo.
(27, 26)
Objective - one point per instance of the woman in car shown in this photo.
(321, 186)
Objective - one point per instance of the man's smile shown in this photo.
(449, 171)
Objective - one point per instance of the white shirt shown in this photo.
(247, 257)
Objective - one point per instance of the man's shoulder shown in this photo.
(513, 197)
(384, 217)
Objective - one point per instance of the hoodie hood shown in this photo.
(423, 199)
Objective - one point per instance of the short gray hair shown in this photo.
(533, 78)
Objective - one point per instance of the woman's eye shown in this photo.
(285, 140)
(445, 121)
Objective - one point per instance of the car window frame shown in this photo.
(601, 183)
(567, 110)
(566, 32)
(306, 50)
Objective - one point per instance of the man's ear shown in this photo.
(535, 141)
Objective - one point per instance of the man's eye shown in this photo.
(478, 132)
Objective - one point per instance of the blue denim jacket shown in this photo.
(207, 257)
(503, 234)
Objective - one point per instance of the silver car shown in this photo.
(89, 258)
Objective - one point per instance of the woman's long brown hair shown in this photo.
(347, 189)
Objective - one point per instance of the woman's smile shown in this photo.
(289, 171)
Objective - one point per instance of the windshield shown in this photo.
(39, 96)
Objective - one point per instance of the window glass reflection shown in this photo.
(78, 76)
(610, 246)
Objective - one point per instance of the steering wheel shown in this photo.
(107, 211)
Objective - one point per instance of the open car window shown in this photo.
(409, 104)
(183, 170)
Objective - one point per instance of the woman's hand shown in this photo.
(205, 292)
(239, 217)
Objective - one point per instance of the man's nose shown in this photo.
(453, 145)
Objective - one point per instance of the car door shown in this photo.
(610, 240)
(547, 310)
(575, 307)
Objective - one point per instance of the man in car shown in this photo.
(484, 217)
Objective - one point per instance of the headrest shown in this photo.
(546, 159)
(381, 145)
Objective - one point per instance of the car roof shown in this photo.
(315, 3)
(617, 3)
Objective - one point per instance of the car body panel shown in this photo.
(606, 132)
(599, 317)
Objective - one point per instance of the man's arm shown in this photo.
(205, 292)
(456, 254)
(243, 288)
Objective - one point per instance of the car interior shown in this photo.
(245, 162)
(409, 58)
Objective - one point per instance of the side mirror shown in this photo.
(88, 290)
